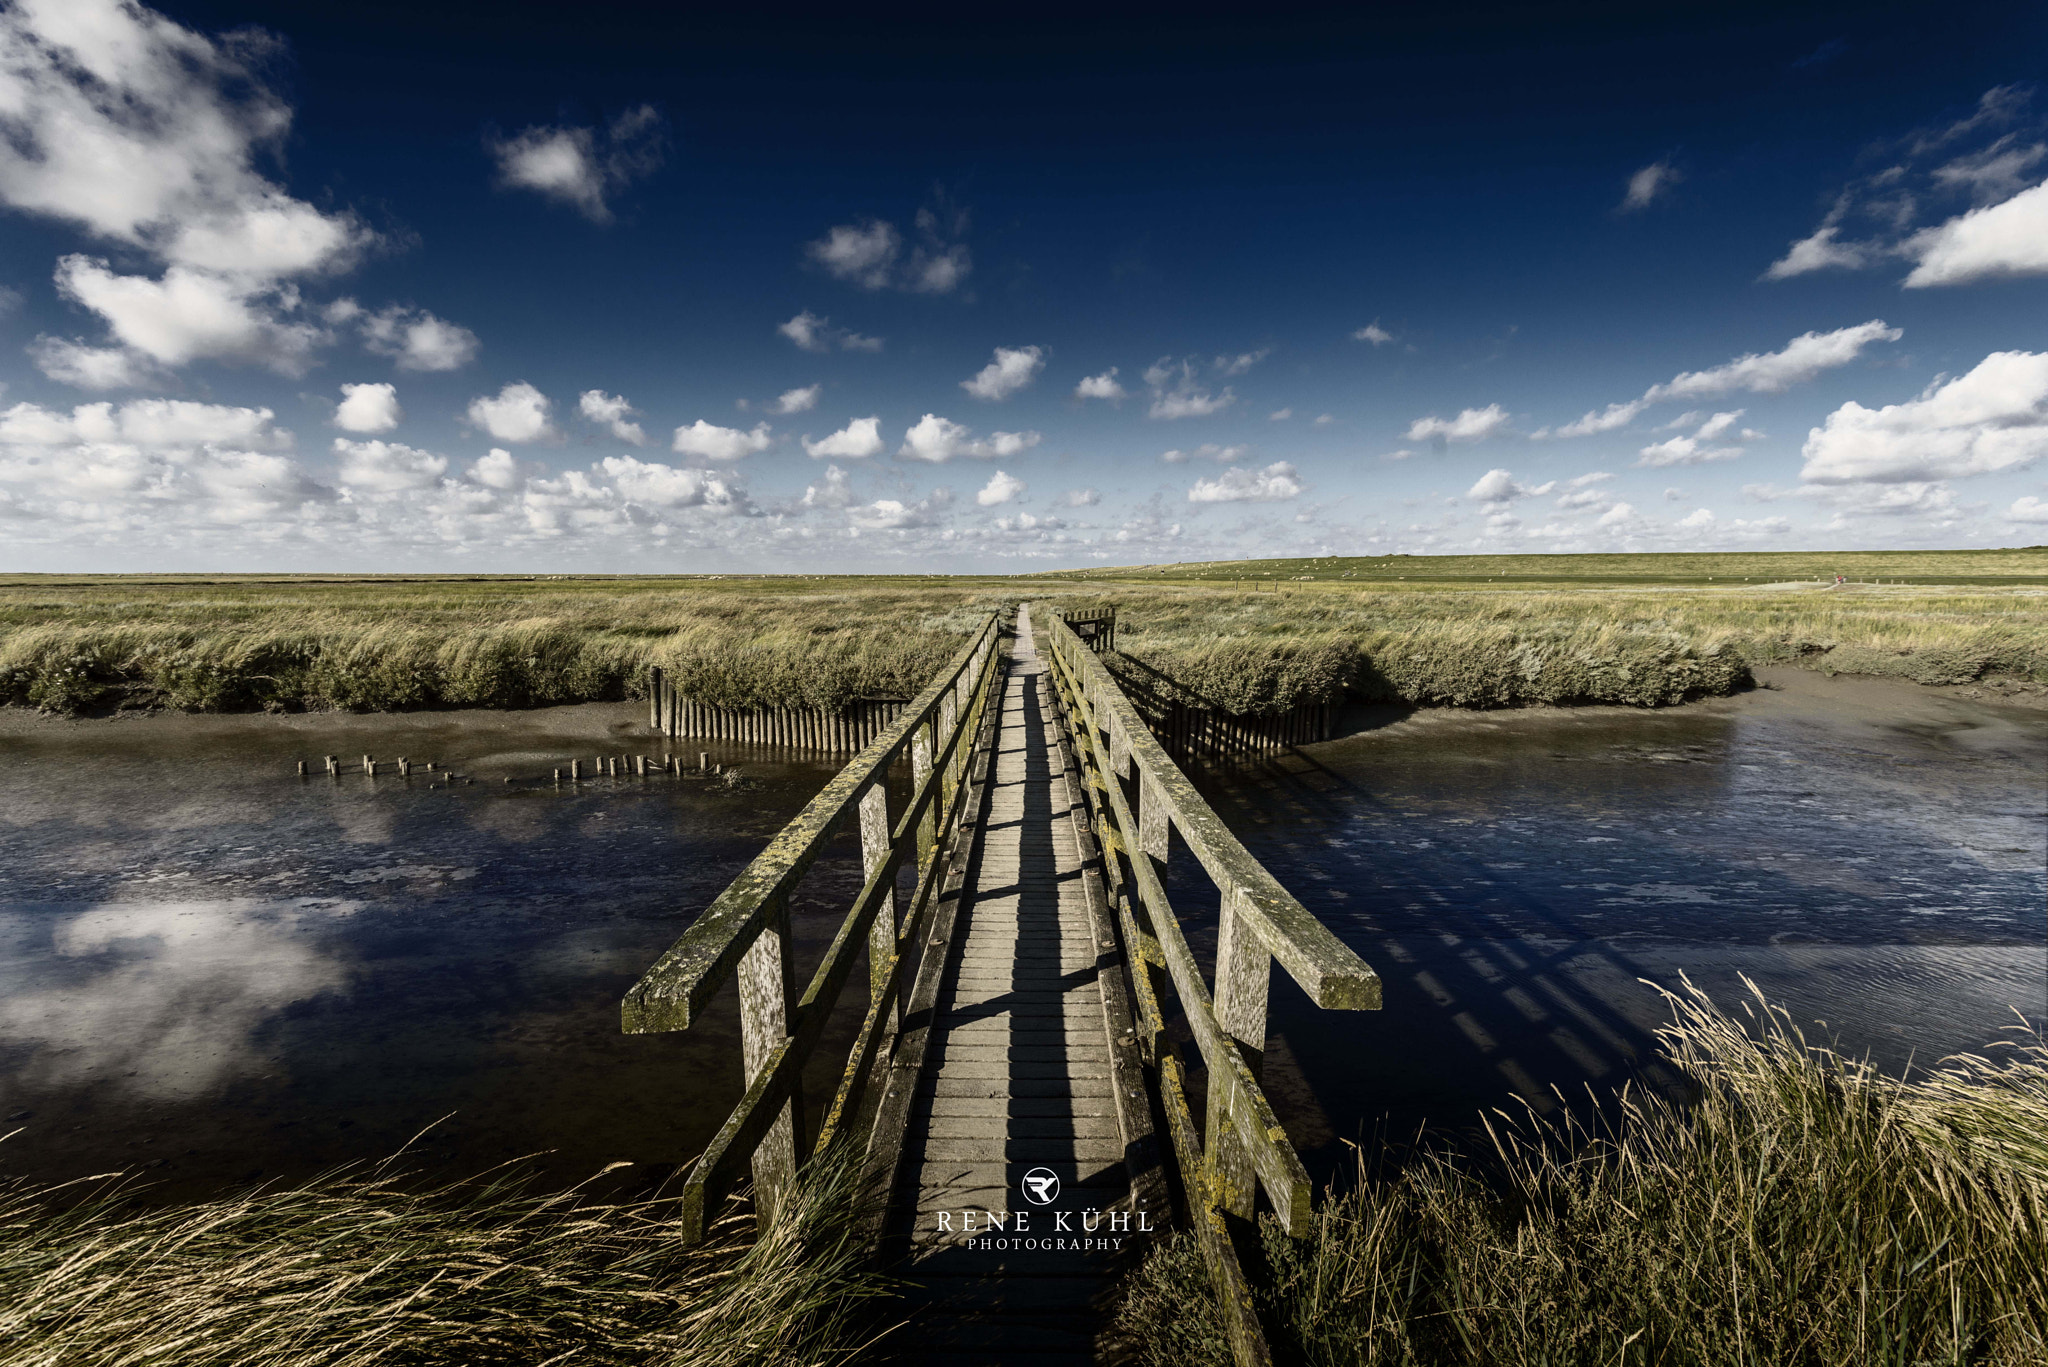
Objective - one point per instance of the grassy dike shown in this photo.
(1800, 1210)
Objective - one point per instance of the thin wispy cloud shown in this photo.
(582, 166)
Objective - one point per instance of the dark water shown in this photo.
(1870, 856)
(215, 970)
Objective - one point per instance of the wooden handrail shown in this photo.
(1242, 1149)
(744, 934)
(1325, 967)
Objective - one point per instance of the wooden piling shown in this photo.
(575, 770)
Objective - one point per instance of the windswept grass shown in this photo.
(1264, 652)
(361, 1268)
(1799, 1209)
(371, 645)
(390, 644)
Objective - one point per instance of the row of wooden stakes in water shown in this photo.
(604, 766)
(403, 769)
(645, 766)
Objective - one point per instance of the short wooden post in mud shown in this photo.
(767, 984)
(654, 697)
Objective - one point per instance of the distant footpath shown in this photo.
(1253, 638)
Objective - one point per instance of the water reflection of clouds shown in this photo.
(164, 999)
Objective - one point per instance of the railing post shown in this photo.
(1155, 824)
(949, 717)
(920, 769)
(1243, 972)
(874, 852)
(767, 984)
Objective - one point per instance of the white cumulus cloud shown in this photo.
(857, 440)
(1473, 424)
(370, 408)
(1012, 370)
(1176, 394)
(613, 413)
(518, 413)
(1374, 333)
(1276, 482)
(496, 469)
(665, 486)
(1001, 488)
(578, 166)
(813, 333)
(1103, 386)
(1999, 240)
(1994, 418)
(1499, 486)
(938, 440)
(712, 442)
(801, 400)
(387, 467)
(871, 254)
(416, 340)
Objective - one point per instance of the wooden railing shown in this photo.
(1095, 626)
(745, 934)
(1137, 797)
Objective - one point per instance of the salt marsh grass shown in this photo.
(389, 645)
(380, 644)
(1266, 651)
(1798, 1208)
(362, 1268)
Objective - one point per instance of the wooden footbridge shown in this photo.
(1014, 1095)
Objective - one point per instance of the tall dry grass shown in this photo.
(1263, 653)
(375, 645)
(1800, 1209)
(371, 646)
(363, 1268)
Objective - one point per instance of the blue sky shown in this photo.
(509, 288)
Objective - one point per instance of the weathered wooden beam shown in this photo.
(1326, 968)
(874, 853)
(674, 992)
(766, 981)
(1243, 973)
(718, 1167)
(1239, 1108)
(1233, 1293)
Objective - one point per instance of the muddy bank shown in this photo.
(1784, 690)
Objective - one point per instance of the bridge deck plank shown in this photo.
(1017, 1075)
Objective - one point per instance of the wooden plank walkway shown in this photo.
(1028, 1069)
